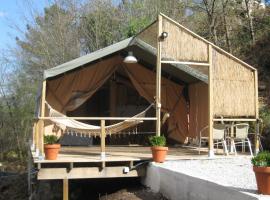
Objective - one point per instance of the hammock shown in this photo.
(83, 128)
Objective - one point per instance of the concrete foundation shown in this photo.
(179, 186)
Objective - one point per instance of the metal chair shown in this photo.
(241, 137)
(219, 131)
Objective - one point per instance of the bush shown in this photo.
(262, 159)
(51, 139)
(157, 141)
(265, 116)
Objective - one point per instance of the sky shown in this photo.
(13, 12)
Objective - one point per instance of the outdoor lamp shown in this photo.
(164, 35)
(130, 58)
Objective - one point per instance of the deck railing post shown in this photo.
(257, 138)
(37, 132)
(102, 139)
(41, 139)
(33, 145)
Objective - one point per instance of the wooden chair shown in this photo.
(219, 131)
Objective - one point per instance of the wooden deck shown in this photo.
(76, 154)
(85, 162)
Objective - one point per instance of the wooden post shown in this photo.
(65, 189)
(210, 102)
(42, 114)
(37, 138)
(41, 138)
(33, 145)
(158, 76)
(102, 139)
(257, 139)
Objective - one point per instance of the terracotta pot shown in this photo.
(51, 151)
(159, 154)
(263, 179)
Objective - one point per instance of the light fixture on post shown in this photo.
(163, 35)
(130, 58)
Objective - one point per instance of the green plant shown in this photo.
(157, 141)
(51, 139)
(262, 159)
(265, 116)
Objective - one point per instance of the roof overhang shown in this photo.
(145, 53)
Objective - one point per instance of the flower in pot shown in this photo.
(51, 147)
(159, 151)
(261, 167)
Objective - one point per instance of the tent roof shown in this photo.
(143, 50)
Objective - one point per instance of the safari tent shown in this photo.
(179, 84)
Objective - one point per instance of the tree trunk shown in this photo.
(250, 19)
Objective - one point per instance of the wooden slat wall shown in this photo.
(234, 91)
(181, 45)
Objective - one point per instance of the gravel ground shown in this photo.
(235, 172)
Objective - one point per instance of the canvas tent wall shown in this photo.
(67, 92)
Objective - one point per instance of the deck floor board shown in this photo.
(81, 154)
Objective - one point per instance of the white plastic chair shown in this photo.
(218, 137)
(241, 137)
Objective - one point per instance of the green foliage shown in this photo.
(11, 155)
(157, 141)
(265, 116)
(262, 159)
(51, 139)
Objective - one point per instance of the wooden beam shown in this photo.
(42, 114)
(210, 102)
(41, 137)
(65, 189)
(257, 139)
(102, 118)
(37, 137)
(102, 139)
(87, 172)
(34, 136)
(43, 97)
(158, 76)
(185, 63)
(256, 94)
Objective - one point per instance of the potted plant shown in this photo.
(51, 147)
(261, 167)
(159, 151)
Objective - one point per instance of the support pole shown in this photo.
(37, 133)
(257, 138)
(41, 139)
(102, 139)
(210, 102)
(41, 125)
(158, 76)
(65, 189)
(33, 145)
